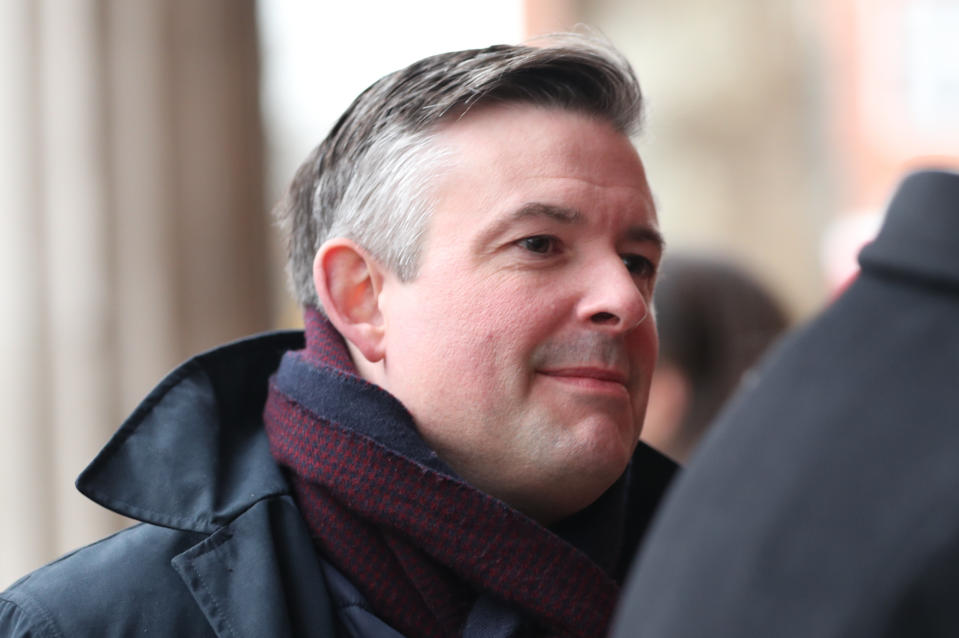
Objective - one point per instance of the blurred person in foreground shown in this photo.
(822, 503)
(452, 450)
(714, 320)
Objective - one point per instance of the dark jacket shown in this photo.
(192, 462)
(824, 501)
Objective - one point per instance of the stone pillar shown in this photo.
(133, 232)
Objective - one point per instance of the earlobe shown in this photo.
(348, 282)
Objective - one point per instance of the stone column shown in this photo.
(133, 231)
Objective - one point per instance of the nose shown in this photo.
(612, 299)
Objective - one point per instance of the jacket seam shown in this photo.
(210, 600)
(151, 517)
(38, 615)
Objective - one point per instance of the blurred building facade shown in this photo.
(132, 231)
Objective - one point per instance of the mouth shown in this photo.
(604, 380)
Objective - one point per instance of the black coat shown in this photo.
(825, 502)
(224, 550)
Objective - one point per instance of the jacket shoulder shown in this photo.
(119, 586)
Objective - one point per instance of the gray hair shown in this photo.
(369, 180)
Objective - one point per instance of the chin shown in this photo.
(593, 468)
(609, 443)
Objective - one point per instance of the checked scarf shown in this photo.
(430, 553)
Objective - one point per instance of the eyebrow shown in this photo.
(565, 215)
(537, 209)
(646, 234)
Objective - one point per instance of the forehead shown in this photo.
(527, 130)
(506, 157)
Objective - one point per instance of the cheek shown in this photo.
(643, 346)
(490, 332)
(644, 350)
(497, 308)
(652, 348)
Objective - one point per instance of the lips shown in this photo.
(589, 377)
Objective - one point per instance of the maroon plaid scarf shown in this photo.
(419, 544)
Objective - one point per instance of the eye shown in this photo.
(540, 244)
(639, 265)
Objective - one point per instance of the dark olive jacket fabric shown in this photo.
(824, 501)
(222, 549)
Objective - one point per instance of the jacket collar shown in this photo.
(920, 235)
(259, 576)
(193, 455)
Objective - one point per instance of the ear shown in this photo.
(348, 282)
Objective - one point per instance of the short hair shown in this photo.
(369, 180)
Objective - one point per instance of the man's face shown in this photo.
(524, 346)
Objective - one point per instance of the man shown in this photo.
(475, 247)
(822, 501)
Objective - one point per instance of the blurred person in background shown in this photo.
(714, 320)
(452, 448)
